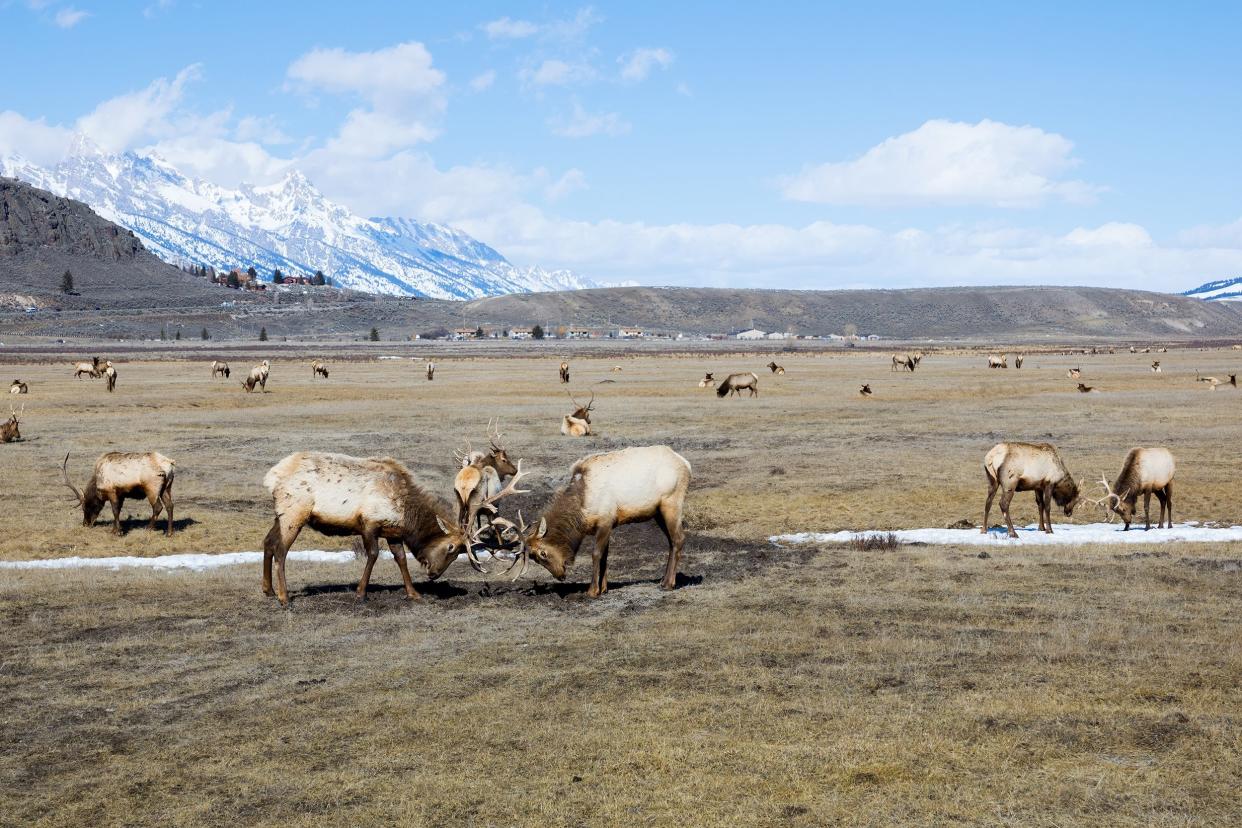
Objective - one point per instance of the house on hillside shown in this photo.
(753, 333)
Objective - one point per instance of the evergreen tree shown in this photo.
(319, 279)
(375, 335)
(263, 334)
(66, 282)
(163, 335)
(177, 336)
(478, 332)
(278, 278)
(204, 335)
(233, 281)
(537, 332)
(252, 273)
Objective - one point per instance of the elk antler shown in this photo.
(523, 553)
(494, 435)
(64, 470)
(488, 503)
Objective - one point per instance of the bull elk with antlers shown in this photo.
(707, 381)
(779, 370)
(606, 491)
(578, 424)
(480, 478)
(19, 387)
(220, 368)
(373, 498)
(122, 474)
(91, 369)
(319, 368)
(1025, 467)
(1146, 471)
(10, 431)
(737, 383)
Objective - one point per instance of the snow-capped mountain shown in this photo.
(288, 225)
(1225, 290)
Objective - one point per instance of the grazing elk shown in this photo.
(578, 424)
(319, 368)
(707, 381)
(110, 376)
(1155, 367)
(122, 474)
(258, 376)
(1001, 361)
(779, 370)
(903, 362)
(1146, 471)
(1017, 361)
(1074, 373)
(220, 368)
(10, 431)
(865, 391)
(1024, 467)
(19, 387)
(564, 372)
(479, 479)
(91, 369)
(736, 383)
(373, 497)
(431, 370)
(605, 491)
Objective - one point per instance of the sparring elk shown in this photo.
(122, 474)
(707, 381)
(578, 424)
(480, 478)
(1001, 361)
(1146, 471)
(258, 376)
(19, 387)
(374, 498)
(10, 431)
(220, 368)
(91, 369)
(319, 368)
(903, 362)
(431, 370)
(779, 370)
(1025, 467)
(110, 376)
(605, 491)
(736, 383)
(564, 373)
(1155, 367)
(1017, 361)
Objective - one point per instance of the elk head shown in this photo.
(500, 458)
(583, 412)
(438, 555)
(10, 431)
(534, 543)
(1066, 494)
(1119, 504)
(92, 501)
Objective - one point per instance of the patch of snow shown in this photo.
(195, 561)
(1063, 535)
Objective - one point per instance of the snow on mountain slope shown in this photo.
(1225, 290)
(288, 225)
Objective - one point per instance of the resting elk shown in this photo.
(91, 369)
(1155, 367)
(779, 370)
(605, 491)
(374, 498)
(1146, 471)
(1001, 361)
(564, 372)
(1074, 373)
(319, 369)
(865, 391)
(431, 370)
(1085, 389)
(258, 376)
(220, 368)
(110, 376)
(10, 431)
(1024, 467)
(479, 479)
(122, 474)
(578, 424)
(19, 387)
(1212, 382)
(736, 383)
(903, 362)
(707, 381)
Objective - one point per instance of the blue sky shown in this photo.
(784, 145)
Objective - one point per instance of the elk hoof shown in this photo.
(1013, 535)
(668, 587)
(360, 598)
(592, 592)
(269, 592)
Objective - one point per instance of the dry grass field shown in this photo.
(1095, 685)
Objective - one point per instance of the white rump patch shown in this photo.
(1063, 535)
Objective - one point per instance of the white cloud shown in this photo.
(375, 134)
(506, 29)
(555, 72)
(570, 182)
(949, 162)
(34, 140)
(69, 17)
(637, 65)
(572, 28)
(154, 9)
(124, 121)
(384, 77)
(583, 124)
(483, 81)
(265, 130)
(1214, 235)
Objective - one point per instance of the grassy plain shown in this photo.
(1089, 685)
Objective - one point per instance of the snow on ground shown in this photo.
(193, 561)
(1065, 534)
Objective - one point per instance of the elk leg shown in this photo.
(371, 544)
(1168, 496)
(289, 530)
(1147, 511)
(599, 560)
(1039, 507)
(116, 502)
(271, 544)
(167, 498)
(1006, 497)
(987, 506)
(1047, 508)
(153, 498)
(670, 521)
(398, 553)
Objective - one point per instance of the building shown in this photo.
(753, 333)
(629, 333)
(520, 333)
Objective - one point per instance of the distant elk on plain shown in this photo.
(119, 475)
(1025, 467)
(779, 370)
(578, 424)
(258, 376)
(319, 368)
(708, 380)
(737, 383)
(110, 376)
(564, 372)
(1001, 361)
(10, 431)
(903, 362)
(1017, 361)
(431, 370)
(220, 368)
(90, 369)
(19, 387)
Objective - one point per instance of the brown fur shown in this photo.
(319, 369)
(1131, 483)
(91, 369)
(9, 431)
(219, 368)
(19, 387)
(119, 475)
(564, 372)
(736, 383)
(110, 377)
(1023, 467)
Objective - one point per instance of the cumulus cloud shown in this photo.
(69, 17)
(369, 133)
(124, 121)
(950, 162)
(556, 72)
(35, 140)
(483, 81)
(505, 28)
(383, 77)
(583, 124)
(637, 65)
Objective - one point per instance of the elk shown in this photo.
(1155, 367)
(319, 369)
(707, 381)
(1001, 361)
(91, 369)
(779, 370)
(903, 362)
(479, 479)
(110, 376)
(736, 383)
(1085, 389)
(19, 387)
(1024, 467)
(578, 424)
(258, 376)
(564, 372)
(431, 370)
(220, 368)
(616, 369)
(1074, 373)
(372, 497)
(1017, 361)
(10, 431)
(604, 491)
(1146, 471)
(865, 391)
(122, 474)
